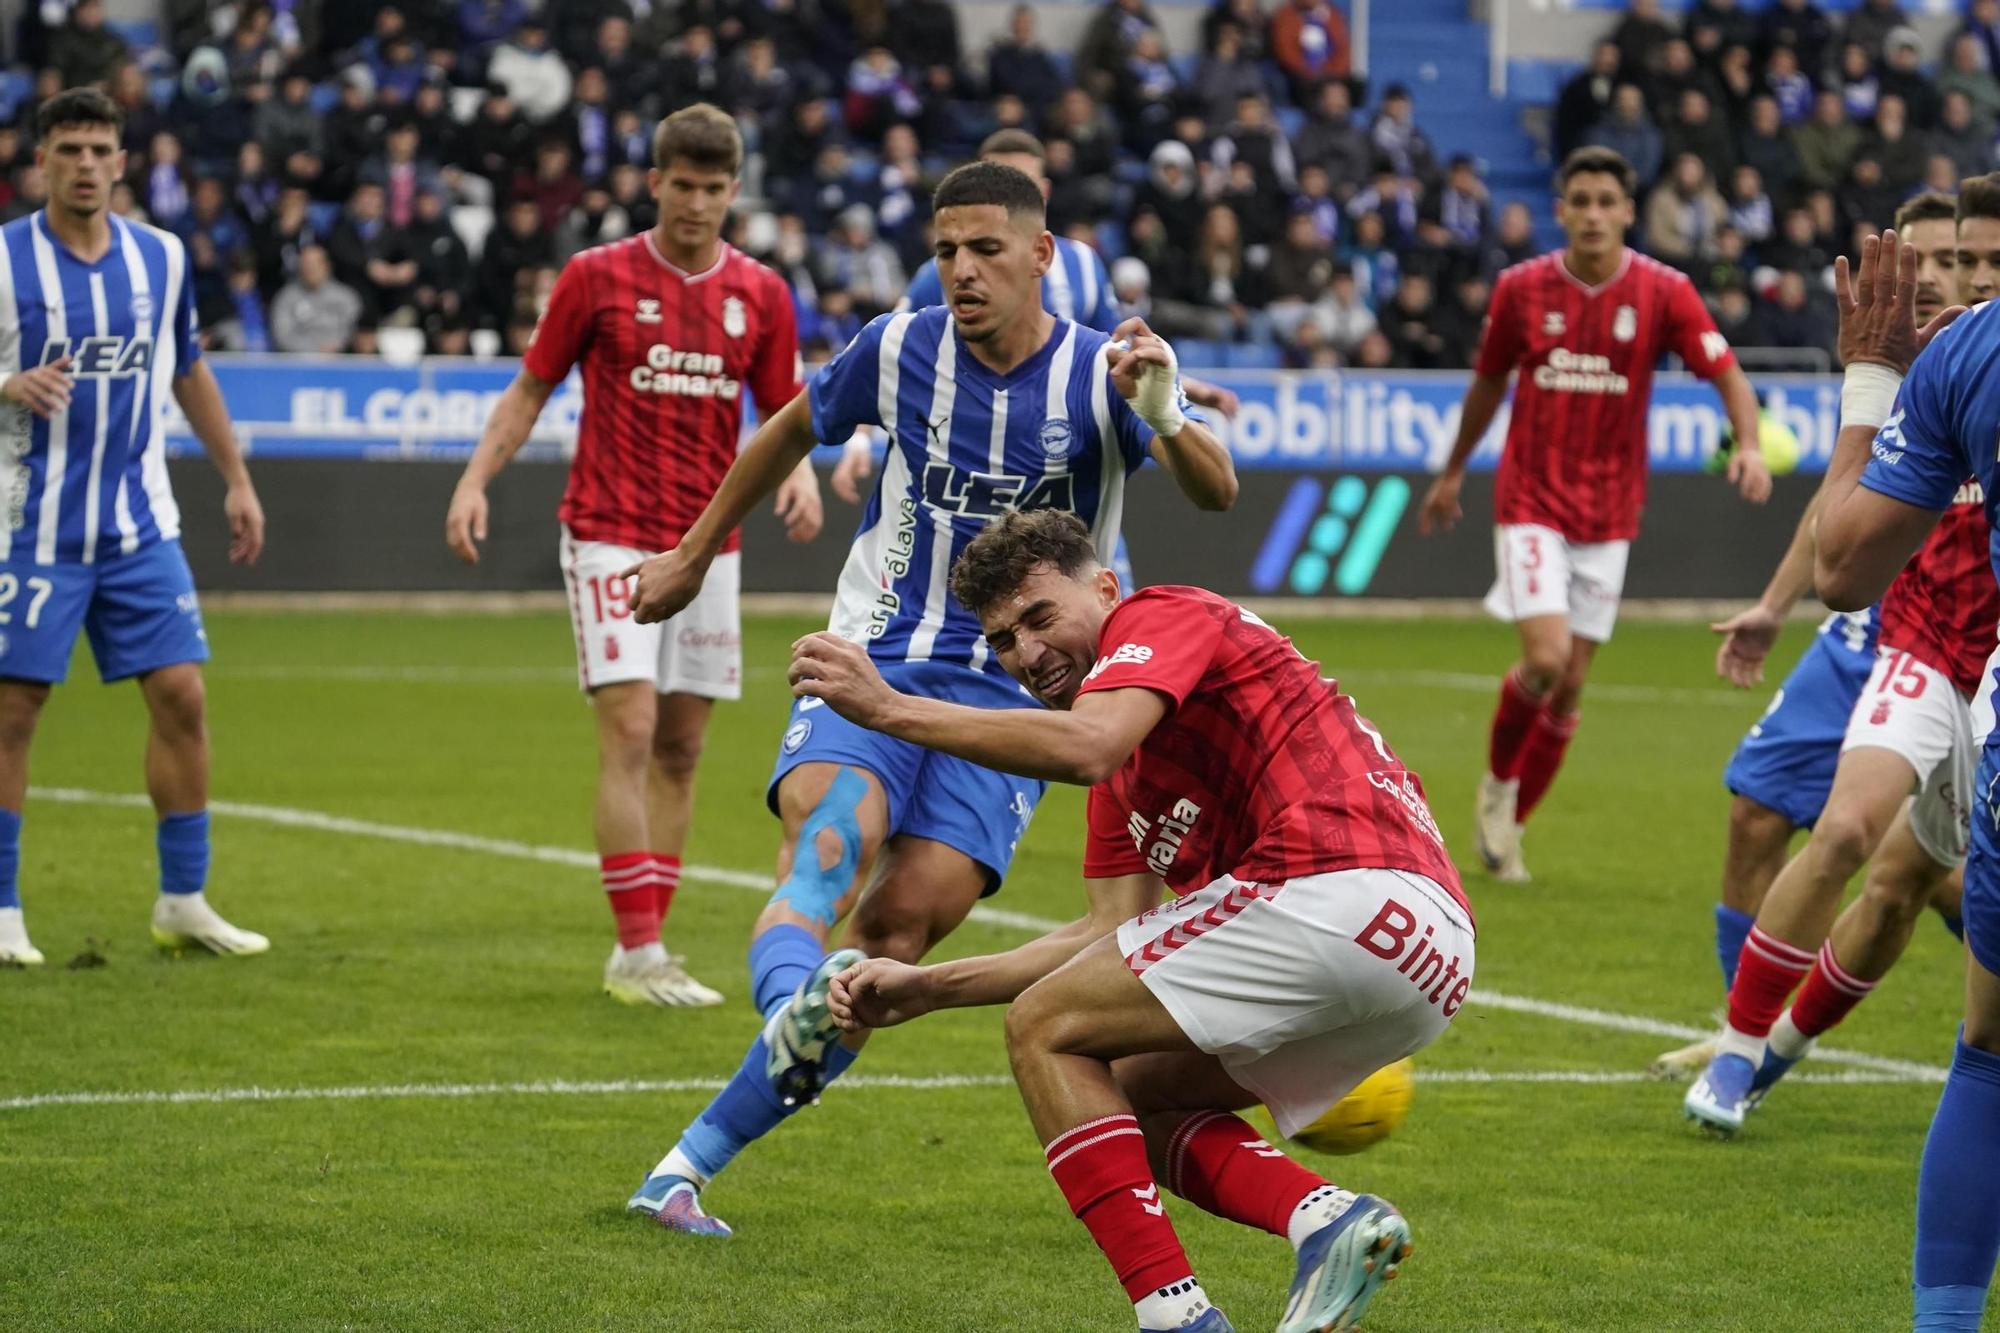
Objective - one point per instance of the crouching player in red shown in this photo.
(1320, 933)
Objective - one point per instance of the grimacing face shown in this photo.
(990, 264)
(1045, 632)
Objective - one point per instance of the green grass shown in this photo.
(1558, 1207)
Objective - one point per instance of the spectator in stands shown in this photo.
(830, 190)
(315, 312)
(214, 235)
(1252, 26)
(517, 245)
(691, 70)
(1259, 210)
(1226, 74)
(1630, 132)
(1750, 210)
(1332, 141)
(1108, 41)
(142, 119)
(554, 184)
(533, 73)
(1795, 317)
(1869, 25)
(1253, 138)
(1941, 175)
(1146, 93)
(1860, 86)
(856, 260)
(444, 265)
(400, 173)
(1585, 99)
(1866, 198)
(1902, 151)
(903, 194)
(1697, 129)
(1827, 143)
(1730, 24)
(1409, 322)
(354, 131)
(251, 49)
(1738, 82)
(1903, 76)
(1513, 241)
(833, 323)
(499, 139)
(31, 192)
(1374, 352)
(1968, 75)
(1982, 24)
(1732, 311)
(291, 132)
(631, 74)
(1797, 26)
(628, 191)
(1309, 41)
(83, 49)
(124, 201)
(255, 194)
(238, 323)
(1091, 142)
(1020, 66)
(1170, 192)
(1725, 269)
(1396, 137)
(482, 26)
(1455, 219)
(878, 95)
(1676, 73)
(927, 42)
(1962, 137)
(586, 125)
(1394, 201)
(1376, 266)
(596, 220)
(1315, 199)
(1217, 277)
(1641, 37)
(166, 185)
(1299, 270)
(290, 233)
(1460, 318)
(1684, 212)
(1789, 86)
(1766, 146)
(1342, 314)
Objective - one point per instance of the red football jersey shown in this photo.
(666, 356)
(1575, 458)
(1943, 607)
(1261, 769)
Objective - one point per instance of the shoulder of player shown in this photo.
(141, 232)
(1082, 252)
(1172, 598)
(755, 274)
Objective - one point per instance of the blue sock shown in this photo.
(745, 1111)
(183, 844)
(10, 859)
(780, 958)
(1958, 1211)
(1731, 929)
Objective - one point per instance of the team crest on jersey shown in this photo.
(648, 312)
(1057, 436)
(1553, 325)
(1625, 324)
(735, 322)
(142, 306)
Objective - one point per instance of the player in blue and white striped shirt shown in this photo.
(991, 403)
(96, 328)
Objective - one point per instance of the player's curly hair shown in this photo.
(1015, 545)
(78, 106)
(703, 136)
(978, 183)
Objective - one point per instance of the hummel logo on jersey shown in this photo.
(102, 356)
(1149, 1199)
(1553, 325)
(1160, 842)
(649, 311)
(1133, 654)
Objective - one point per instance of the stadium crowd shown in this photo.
(342, 169)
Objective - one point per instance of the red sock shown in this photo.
(1517, 712)
(1101, 1167)
(1766, 972)
(629, 880)
(1220, 1164)
(666, 879)
(1829, 995)
(1541, 755)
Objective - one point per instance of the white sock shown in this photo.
(675, 1163)
(1787, 1042)
(1173, 1306)
(1732, 1042)
(1315, 1211)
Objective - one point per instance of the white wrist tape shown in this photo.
(1867, 394)
(1158, 401)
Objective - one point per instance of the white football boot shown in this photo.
(1497, 837)
(1512, 869)
(650, 975)
(185, 920)
(15, 950)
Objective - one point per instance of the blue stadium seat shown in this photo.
(1201, 354)
(1110, 240)
(1291, 120)
(1254, 356)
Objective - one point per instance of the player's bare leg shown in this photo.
(680, 722)
(1865, 942)
(625, 714)
(1869, 788)
(1096, 1053)
(1541, 750)
(21, 704)
(1760, 841)
(1524, 696)
(177, 780)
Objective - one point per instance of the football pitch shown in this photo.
(418, 1112)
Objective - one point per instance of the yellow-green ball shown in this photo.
(1361, 1119)
(1778, 443)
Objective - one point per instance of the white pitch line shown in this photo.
(992, 916)
(857, 1083)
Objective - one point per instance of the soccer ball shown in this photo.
(1778, 443)
(1365, 1116)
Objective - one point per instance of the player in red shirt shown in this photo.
(671, 328)
(1584, 326)
(1320, 932)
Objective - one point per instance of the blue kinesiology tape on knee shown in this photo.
(811, 890)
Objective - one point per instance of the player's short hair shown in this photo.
(1016, 143)
(978, 183)
(1604, 161)
(78, 106)
(1930, 206)
(1979, 197)
(703, 136)
(1015, 545)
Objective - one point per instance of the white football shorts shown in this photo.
(1305, 988)
(1913, 710)
(699, 651)
(1539, 572)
